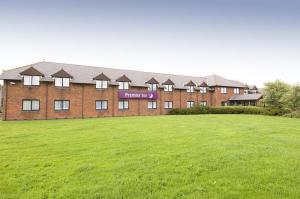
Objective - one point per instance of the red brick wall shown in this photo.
(83, 101)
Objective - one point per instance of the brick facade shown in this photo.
(83, 98)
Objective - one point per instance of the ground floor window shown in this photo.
(152, 105)
(31, 105)
(168, 104)
(203, 103)
(190, 104)
(224, 103)
(123, 104)
(101, 105)
(61, 105)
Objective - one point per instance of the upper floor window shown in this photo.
(123, 85)
(31, 80)
(102, 84)
(190, 104)
(203, 89)
(236, 91)
(62, 82)
(152, 87)
(31, 105)
(168, 88)
(190, 89)
(246, 91)
(152, 105)
(223, 90)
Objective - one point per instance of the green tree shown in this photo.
(293, 98)
(275, 94)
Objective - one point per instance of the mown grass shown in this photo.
(199, 156)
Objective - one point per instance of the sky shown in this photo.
(253, 41)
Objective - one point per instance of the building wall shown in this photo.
(83, 101)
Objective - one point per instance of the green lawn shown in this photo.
(205, 156)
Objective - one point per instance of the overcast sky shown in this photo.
(253, 41)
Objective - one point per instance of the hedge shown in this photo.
(227, 110)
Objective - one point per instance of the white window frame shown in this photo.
(123, 105)
(223, 90)
(168, 104)
(152, 105)
(203, 103)
(101, 84)
(236, 91)
(152, 87)
(168, 88)
(123, 85)
(31, 80)
(61, 82)
(31, 105)
(62, 104)
(103, 104)
(190, 89)
(190, 104)
(203, 90)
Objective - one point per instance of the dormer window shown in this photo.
(123, 82)
(152, 87)
(62, 82)
(31, 77)
(62, 78)
(190, 89)
(101, 84)
(31, 80)
(236, 91)
(203, 89)
(168, 85)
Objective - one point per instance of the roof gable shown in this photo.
(190, 83)
(152, 81)
(168, 82)
(101, 77)
(203, 84)
(62, 74)
(123, 78)
(32, 72)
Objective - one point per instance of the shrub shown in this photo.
(228, 110)
(294, 114)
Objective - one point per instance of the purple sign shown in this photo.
(137, 95)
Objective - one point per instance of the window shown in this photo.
(236, 91)
(190, 104)
(123, 85)
(203, 103)
(31, 80)
(62, 82)
(101, 84)
(168, 88)
(123, 104)
(61, 105)
(168, 104)
(101, 105)
(203, 90)
(190, 89)
(152, 87)
(246, 91)
(224, 103)
(223, 90)
(152, 105)
(31, 105)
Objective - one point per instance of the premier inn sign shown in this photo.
(138, 95)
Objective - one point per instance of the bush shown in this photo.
(228, 110)
(294, 114)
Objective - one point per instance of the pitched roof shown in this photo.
(152, 81)
(31, 72)
(62, 74)
(85, 74)
(246, 97)
(215, 80)
(168, 82)
(203, 84)
(190, 83)
(123, 78)
(101, 77)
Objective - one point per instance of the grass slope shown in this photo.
(204, 156)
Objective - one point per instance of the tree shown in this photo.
(275, 94)
(293, 98)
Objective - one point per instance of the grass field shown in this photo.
(205, 156)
